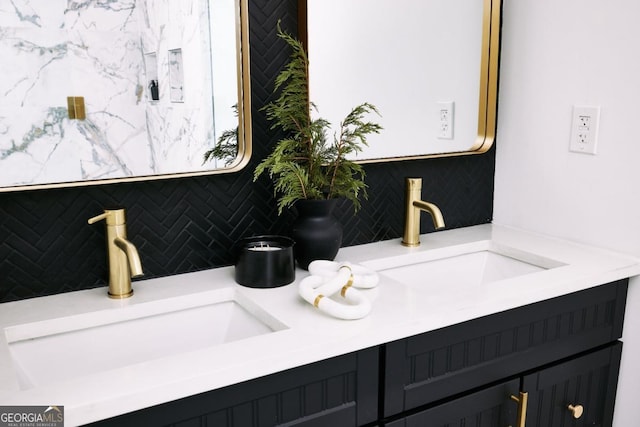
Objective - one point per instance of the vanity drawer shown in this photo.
(435, 365)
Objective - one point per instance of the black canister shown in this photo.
(265, 262)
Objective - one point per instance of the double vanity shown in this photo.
(474, 322)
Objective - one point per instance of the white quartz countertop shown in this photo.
(398, 311)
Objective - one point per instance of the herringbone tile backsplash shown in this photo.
(182, 225)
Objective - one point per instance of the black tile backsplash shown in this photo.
(182, 225)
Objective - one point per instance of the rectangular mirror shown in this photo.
(100, 92)
(430, 67)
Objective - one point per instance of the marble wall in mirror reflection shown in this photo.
(111, 53)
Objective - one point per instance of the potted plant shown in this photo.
(307, 169)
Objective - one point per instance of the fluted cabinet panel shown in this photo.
(589, 382)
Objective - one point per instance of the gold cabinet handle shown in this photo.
(522, 408)
(576, 410)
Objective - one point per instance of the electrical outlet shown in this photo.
(445, 120)
(584, 122)
(584, 129)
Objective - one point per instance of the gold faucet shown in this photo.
(124, 261)
(413, 206)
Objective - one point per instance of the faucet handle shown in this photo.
(111, 216)
(98, 218)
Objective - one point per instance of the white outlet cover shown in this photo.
(445, 119)
(584, 129)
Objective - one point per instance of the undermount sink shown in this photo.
(467, 269)
(71, 347)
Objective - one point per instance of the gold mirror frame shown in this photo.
(244, 139)
(488, 96)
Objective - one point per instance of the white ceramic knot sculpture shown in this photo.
(328, 278)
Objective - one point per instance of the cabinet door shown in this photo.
(589, 381)
(489, 407)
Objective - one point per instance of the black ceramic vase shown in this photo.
(317, 233)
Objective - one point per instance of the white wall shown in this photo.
(557, 53)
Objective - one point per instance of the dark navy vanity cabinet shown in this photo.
(563, 352)
(588, 382)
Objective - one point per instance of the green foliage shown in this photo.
(226, 147)
(304, 165)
